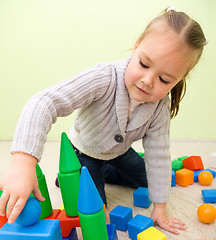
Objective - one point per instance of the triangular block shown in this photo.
(89, 200)
(68, 162)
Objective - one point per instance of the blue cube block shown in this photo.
(141, 197)
(138, 224)
(209, 195)
(120, 216)
(112, 234)
(173, 181)
(72, 236)
(44, 229)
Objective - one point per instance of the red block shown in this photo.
(67, 223)
(3, 220)
(193, 163)
(54, 214)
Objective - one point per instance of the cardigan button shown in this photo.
(118, 138)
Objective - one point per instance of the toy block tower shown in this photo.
(69, 176)
(90, 209)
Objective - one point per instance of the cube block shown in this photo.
(151, 234)
(209, 195)
(44, 229)
(173, 180)
(141, 197)
(193, 163)
(177, 165)
(138, 224)
(112, 234)
(184, 177)
(120, 216)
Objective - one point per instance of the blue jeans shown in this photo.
(127, 170)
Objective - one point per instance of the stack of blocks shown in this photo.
(83, 206)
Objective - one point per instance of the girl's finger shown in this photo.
(3, 202)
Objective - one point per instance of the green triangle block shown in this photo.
(69, 161)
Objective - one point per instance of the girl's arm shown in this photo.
(17, 184)
(160, 217)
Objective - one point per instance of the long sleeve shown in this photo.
(59, 100)
(157, 156)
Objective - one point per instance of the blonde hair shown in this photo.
(191, 33)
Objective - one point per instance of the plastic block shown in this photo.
(44, 229)
(141, 197)
(138, 224)
(151, 234)
(120, 216)
(112, 234)
(209, 195)
(3, 220)
(72, 236)
(91, 209)
(173, 180)
(141, 154)
(89, 198)
(177, 165)
(54, 214)
(184, 177)
(67, 223)
(69, 176)
(181, 158)
(193, 163)
(30, 213)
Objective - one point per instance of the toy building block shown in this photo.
(151, 233)
(90, 209)
(72, 236)
(209, 195)
(120, 216)
(181, 158)
(193, 163)
(69, 176)
(177, 165)
(141, 197)
(67, 223)
(141, 154)
(45, 205)
(212, 160)
(184, 177)
(173, 179)
(54, 214)
(112, 234)
(138, 224)
(30, 213)
(44, 229)
(3, 220)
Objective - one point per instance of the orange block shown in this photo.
(67, 223)
(184, 177)
(193, 163)
(3, 220)
(54, 214)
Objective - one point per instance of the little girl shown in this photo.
(119, 103)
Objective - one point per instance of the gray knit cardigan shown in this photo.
(101, 96)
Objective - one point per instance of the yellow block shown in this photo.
(151, 234)
(62, 207)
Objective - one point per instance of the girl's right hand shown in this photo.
(17, 185)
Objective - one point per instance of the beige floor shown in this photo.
(183, 202)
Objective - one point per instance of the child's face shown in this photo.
(158, 63)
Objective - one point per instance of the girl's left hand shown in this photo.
(169, 224)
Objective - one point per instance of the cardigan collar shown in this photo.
(142, 113)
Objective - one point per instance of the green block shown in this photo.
(181, 158)
(69, 186)
(93, 226)
(177, 165)
(141, 154)
(69, 161)
(46, 205)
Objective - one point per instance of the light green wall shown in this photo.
(45, 41)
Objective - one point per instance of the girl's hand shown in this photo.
(169, 224)
(17, 184)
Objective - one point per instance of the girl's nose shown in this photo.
(148, 80)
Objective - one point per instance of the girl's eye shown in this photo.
(143, 65)
(162, 80)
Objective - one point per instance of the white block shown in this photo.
(212, 160)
